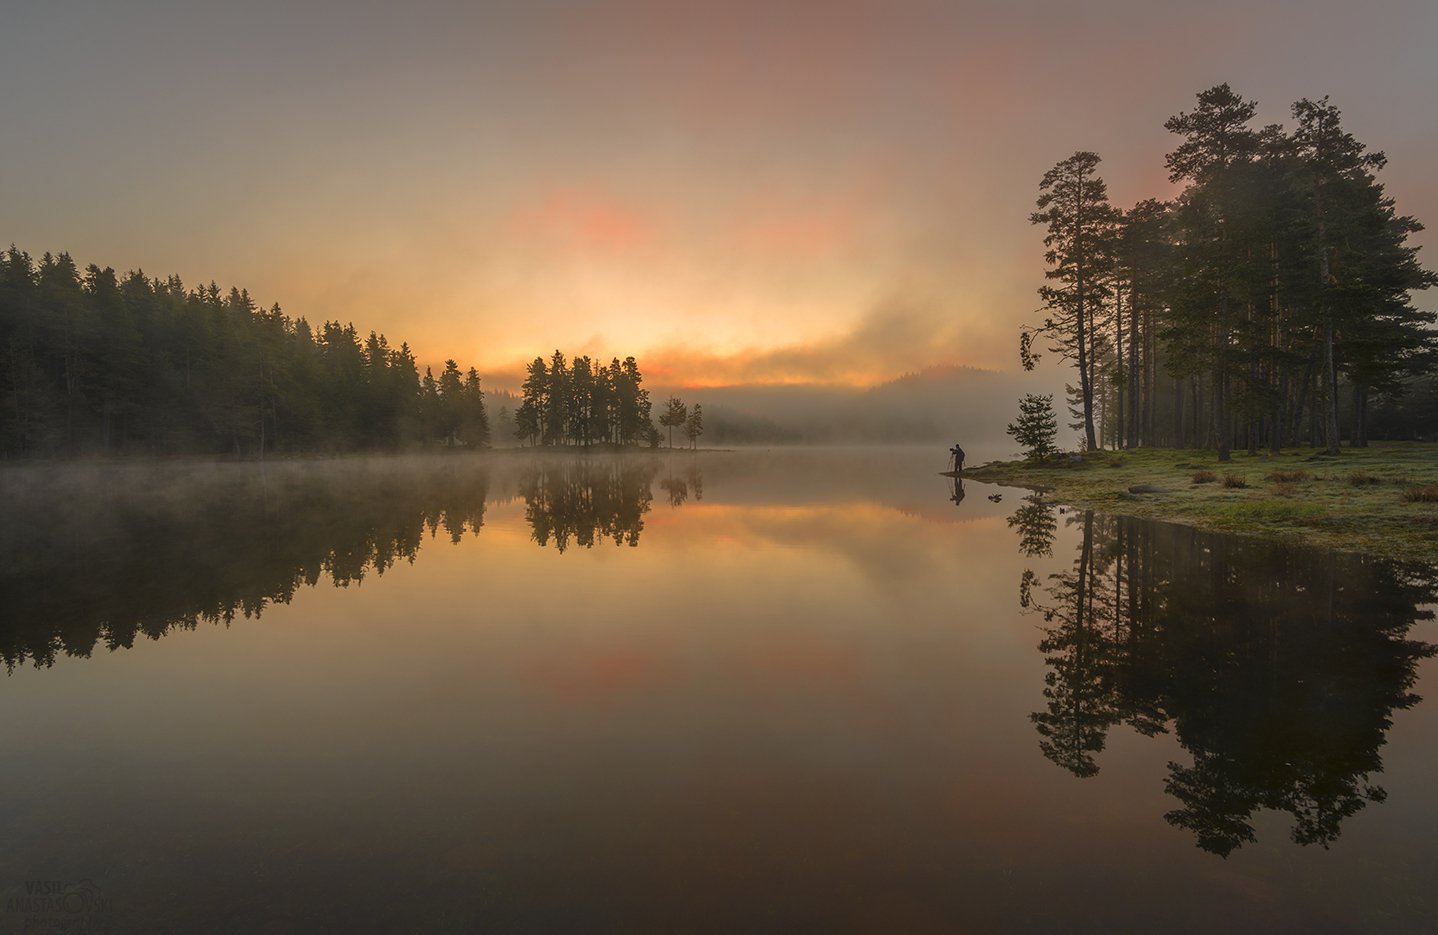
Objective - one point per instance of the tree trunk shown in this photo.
(1196, 425)
(1330, 387)
(1085, 380)
(1280, 404)
(1178, 411)
(1133, 407)
(1325, 313)
(1360, 417)
(1150, 371)
(1220, 387)
(1119, 387)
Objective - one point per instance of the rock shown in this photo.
(1148, 488)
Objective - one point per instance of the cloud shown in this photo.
(895, 337)
(584, 222)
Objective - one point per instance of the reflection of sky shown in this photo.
(810, 710)
(734, 191)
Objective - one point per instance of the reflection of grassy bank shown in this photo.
(1375, 500)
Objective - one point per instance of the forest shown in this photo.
(96, 363)
(1268, 304)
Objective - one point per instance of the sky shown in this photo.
(734, 192)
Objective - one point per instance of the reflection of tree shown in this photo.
(678, 488)
(81, 567)
(588, 501)
(1078, 685)
(1035, 522)
(1277, 668)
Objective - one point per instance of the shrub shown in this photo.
(1205, 477)
(1427, 494)
(1036, 427)
(1288, 477)
(1360, 478)
(1235, 480)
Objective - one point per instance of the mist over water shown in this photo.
(786, 689)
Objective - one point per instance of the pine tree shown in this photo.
(1036, 427)
(694, 425)
(1074, 208)
(675, 412)
(1218, 144)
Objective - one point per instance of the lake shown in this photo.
(757, 691)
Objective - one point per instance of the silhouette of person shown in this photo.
(958, 454)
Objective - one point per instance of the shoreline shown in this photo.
(1354, 502)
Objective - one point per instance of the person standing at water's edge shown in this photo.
(958, 454)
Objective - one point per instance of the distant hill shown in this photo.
(934, 404)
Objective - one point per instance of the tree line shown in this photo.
(94, 362)
(1235, 314)
(586, 403)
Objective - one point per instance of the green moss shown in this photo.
(1320, 505)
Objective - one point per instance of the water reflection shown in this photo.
(587, 502)
(83, 566)
(1278, 669)
(678, 487)
(1036, 525)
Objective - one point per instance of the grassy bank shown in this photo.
(1381, 500)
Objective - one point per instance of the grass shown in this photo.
(1271, 511)
(1235, 481)
(1392, 511)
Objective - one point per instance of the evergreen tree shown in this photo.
(675, 412)
(529, 419)
(1079, 222)
(694, 425)
(1036, 427)
(1218, 146)
(474, 421)
(556, 413)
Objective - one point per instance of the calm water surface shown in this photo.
(750, 691)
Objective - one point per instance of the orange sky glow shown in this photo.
(809, 192)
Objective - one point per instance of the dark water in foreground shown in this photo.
(800, 691)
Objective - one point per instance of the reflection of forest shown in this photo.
(587, 501)
(1277, 668)
(99, 562)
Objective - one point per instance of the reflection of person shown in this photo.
(958, 454)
